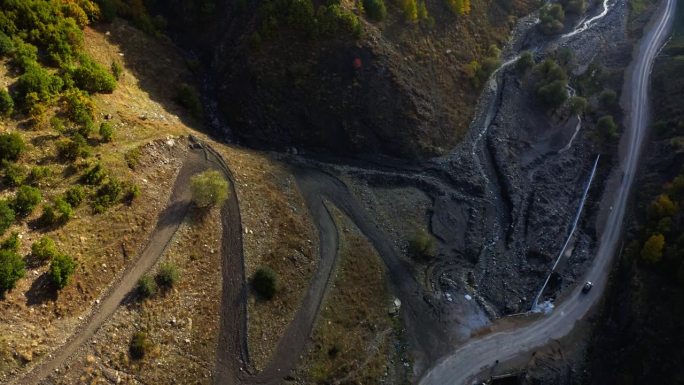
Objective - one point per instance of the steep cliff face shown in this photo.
(394, 87)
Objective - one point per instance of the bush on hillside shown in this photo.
(12, 268)
(6, 103)
(13, 174)
(265, 282)
(168, 275)
(147, 287)
(375, 9)
(11, 146)
(551, 18)
(652, 251)
(551, 83)
(37, 85)
(92, 77)
(70, 149)
(578, 105)
(524, 63)
(26, 199)
(607, 129)
(95, 175)
(7, 216)
(12, 243)
(140, 345)
(61, 270)
(421, 246)
(74, 196)
(209, 188)
(44, 249)
(106, 131)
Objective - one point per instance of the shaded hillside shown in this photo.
(324, 77)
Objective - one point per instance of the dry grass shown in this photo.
(278, 234)
(354, 340)
(181, 324)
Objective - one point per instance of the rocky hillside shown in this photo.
(401, 80)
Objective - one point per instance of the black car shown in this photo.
(587, 286)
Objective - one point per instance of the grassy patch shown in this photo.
(355, 339)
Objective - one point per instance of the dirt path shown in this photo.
(167, 224)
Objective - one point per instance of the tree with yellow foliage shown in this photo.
(652, 251)
(410, 9)
(459, 7)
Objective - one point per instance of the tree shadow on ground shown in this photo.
(41, 291)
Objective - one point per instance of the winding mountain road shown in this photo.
(472, 358)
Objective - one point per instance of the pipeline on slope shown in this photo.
(535, 304)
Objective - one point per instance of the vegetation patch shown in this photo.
(355, 340)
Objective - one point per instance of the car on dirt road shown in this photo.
(587, 286)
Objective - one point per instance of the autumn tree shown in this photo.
(652, 251)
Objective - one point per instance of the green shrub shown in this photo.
(106, 132)
(44, 249)
(147, 287)
(139, 345)
(577, 105)
(551, 18)
(7, 216)
(117, 70)
(524, 63)
(421, 246)
(132, 158)
(26, 199)
(132, 194)
(12, 268)
(168, 275)
(6, 103)
(95, 175)
(551, 83)
(92, 77)
(607, 98)
(12, 243)
(37, 85)
(48, 217)
(265, 282)
(209, 188)
(38, 174)
(607, 129)
(13, 174)
(80, 109)
(11, 146)
(6, 45)
(75, 195)
(61, 270)
(70, 149)
(187, 97)
(107, 195)
(64, 210)
(375, 9)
